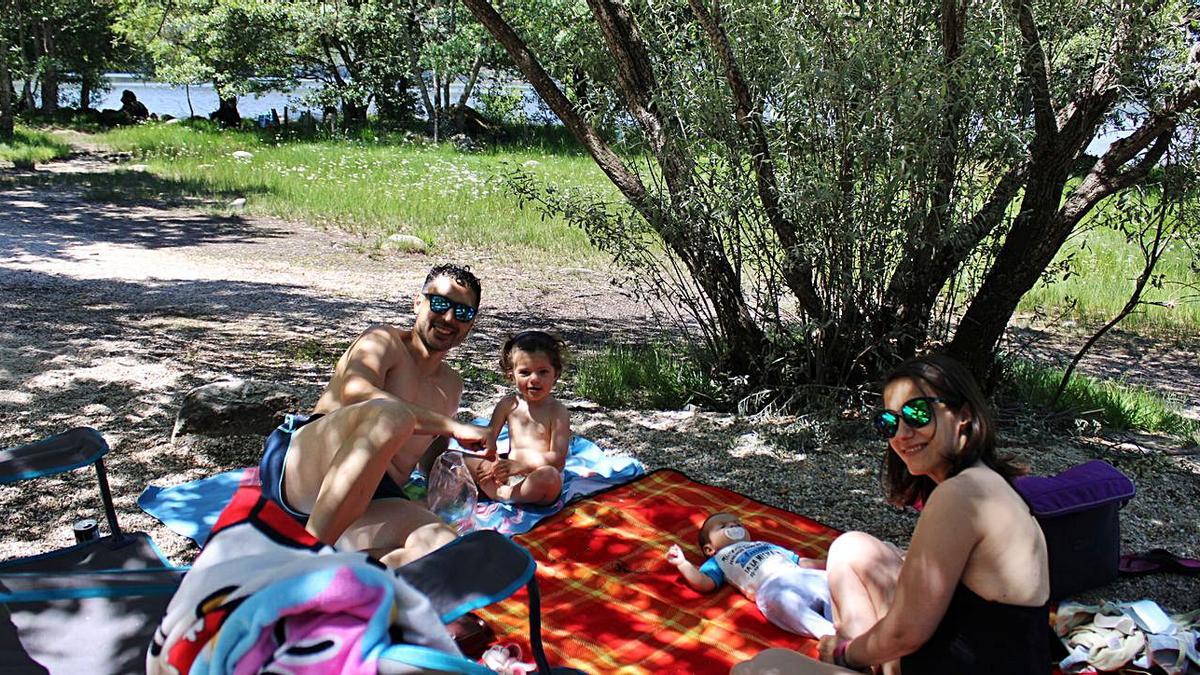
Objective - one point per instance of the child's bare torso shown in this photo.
(531, 432)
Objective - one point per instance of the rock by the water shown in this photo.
(232, 407)
(464, 143)
(404, 242)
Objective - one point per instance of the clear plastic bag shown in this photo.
(452, 493)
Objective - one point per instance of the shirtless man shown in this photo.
(340, 471)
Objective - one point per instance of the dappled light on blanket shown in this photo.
(611, 603)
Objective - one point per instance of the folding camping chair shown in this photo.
(88, 608)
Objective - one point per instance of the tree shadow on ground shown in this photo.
(41, 229)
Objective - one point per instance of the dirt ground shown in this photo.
(114, 309)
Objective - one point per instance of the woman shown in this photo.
(970, 594)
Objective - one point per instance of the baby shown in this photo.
(791, 592)
(539, 427)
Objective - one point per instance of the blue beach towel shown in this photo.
(191, 509)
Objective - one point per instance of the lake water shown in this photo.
(169, 99)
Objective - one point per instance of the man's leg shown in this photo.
(396, 532)
(335, 463)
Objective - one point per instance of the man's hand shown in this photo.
(675, 555)
(471, 437)
(491, 449)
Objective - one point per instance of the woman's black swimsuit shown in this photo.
(983, 637)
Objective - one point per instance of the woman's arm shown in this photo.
(945, 536)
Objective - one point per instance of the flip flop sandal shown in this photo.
(1172, 562)
(1137, 564)
(1155, 561)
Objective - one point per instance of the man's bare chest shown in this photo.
(428, 393)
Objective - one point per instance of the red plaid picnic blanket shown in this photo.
(612, 604)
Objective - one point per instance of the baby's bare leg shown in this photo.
(486, 485)
(541, 486)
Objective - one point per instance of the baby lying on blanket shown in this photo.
(791, 592)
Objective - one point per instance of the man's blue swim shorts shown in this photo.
(270, 469)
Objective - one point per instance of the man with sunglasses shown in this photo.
(340, 470)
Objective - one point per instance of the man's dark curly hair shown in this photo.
(460, 274)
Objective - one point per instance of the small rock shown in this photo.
(136, 167)
(404, 242)
(242, 155)
(173, 120)
(531, 164)
(464, 143)
(235, 406)
(238, 204)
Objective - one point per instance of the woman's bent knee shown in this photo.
(854, 549)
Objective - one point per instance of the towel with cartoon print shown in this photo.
(265, 595)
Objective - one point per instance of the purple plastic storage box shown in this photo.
(1077, 510)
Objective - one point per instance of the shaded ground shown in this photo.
(112, 310)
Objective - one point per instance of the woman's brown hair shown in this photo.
(951, 381)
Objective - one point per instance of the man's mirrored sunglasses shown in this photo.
(440, 303)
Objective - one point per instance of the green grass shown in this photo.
(656, 376)
(1120, 404)
(30, 146)
(1105, 269)
(378, 185)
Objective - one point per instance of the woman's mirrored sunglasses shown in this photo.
(440, 303)
(916, 413)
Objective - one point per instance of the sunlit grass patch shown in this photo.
(382, 185)
(1118, 403)
(1104, 269)
(654, 376)
(30, 147)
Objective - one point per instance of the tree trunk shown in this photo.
(27, 102)
(414, 68)
(50, 74)
(354, 115)
(460, 117)
(85, 92)
(6, 102)
(1035, 238)
(695, 244)
(227, 114)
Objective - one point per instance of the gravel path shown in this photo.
(113, 310)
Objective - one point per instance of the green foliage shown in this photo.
(823, 181)
(503, 103)
(320, 352)
(1146, 241)
(656, 376)
(1119, 403)
(241, 46)
(29, 146)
